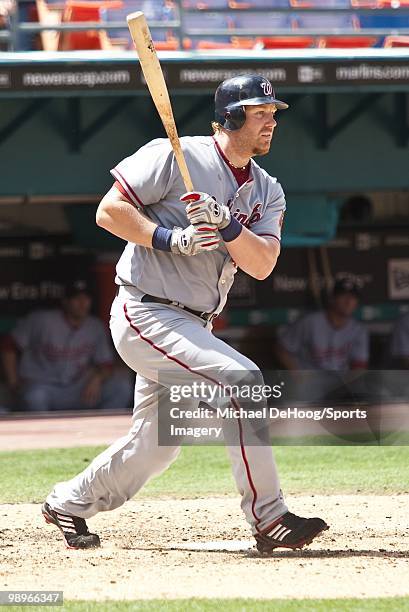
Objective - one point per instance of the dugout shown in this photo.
(67, 118)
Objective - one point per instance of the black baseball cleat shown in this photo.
(290, 531)
(73, 528)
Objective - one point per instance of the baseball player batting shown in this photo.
(173, 279)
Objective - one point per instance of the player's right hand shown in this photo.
(203, 208)
(194, 239)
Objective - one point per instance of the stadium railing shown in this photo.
(211, 24)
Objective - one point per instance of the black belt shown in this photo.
(206, 316)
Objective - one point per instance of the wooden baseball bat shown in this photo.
(156, 84)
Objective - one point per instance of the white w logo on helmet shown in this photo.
(267, 88)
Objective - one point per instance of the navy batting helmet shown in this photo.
(244, 90)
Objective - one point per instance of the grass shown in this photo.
(387, 604)
(27, 476)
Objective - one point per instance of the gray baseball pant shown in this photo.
(164, 343)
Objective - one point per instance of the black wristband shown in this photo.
(161, 238)
(233, 230)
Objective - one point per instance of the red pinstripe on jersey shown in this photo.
(126, 186)
(269, 236)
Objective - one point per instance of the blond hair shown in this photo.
(216, 127)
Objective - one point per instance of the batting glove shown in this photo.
(203, 208)
(194, 239)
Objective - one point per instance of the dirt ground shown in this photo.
(201, 548)
(60, 430)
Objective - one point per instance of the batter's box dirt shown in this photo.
(202, 548)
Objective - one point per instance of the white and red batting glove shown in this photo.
(203, 208)
(194, 239)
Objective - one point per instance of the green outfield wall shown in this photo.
(46, 154)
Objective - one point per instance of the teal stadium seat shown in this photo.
(262, 22)
(334, 28)
(326, 22)
(310, 220)
(193, 23)
(205, 5)
(265, 4)
(384, 20)
(234, 4)
(157, 10)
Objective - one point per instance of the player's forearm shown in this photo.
(9, 361)
(122, 219)
(253, 254)
(101, 371)
(287, 360)
(405, 363)
(359, 365)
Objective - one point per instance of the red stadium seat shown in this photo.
(395, 4)
(242, 42)
(233, 42)
(396, 41)
(236, 42)
(379, 4)
(364, 3)
(205, 5)
(265, 4)
(346, 42)
(167, 45)
(212, 45)
(285, 42)
(325, 4)
(83, 10)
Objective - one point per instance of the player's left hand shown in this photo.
(203, 208)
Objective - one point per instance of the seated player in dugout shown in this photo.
(331, 343)
(329, 339)
(399, 349)
(173, 279)
(398, 379)
(61, 359)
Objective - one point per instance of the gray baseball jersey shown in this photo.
(317, 345)
(54, 352)
(400, 337)
(152, 181)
